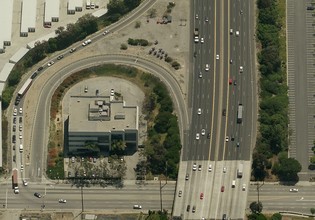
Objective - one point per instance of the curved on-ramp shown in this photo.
(41, 114)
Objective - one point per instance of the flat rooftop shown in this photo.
(6, 11)
(72, 4)
(28, 15)
(121, 117)
(52, 8)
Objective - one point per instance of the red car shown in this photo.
(230, 81)
(201, 195)
(222, 188)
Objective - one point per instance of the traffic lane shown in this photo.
(247, 82)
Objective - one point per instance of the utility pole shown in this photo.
(166, 170)
(258, 187)
(161, 195)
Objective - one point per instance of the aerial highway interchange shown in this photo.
(216, 143)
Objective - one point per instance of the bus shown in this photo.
(240, 114)
(25, 87)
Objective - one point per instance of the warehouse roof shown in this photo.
(28, 15)
(6, 71)
(72, 4)
(18, 55)
(41, 39)
(6, 11)
(51, 10)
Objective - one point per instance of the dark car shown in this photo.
(33, 76)
(208, 135)
(238, 144)
(224, 217)
(310, 8)
(188, 208)
(37, 195)
(40, 68)
(14, 128)
(14, 139)
(20, 120)
(187, 177)
(224, 112)
(60, 57)
(194, 209)
(14, 120)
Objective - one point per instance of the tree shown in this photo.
(152, 13)
(123, 47)
(288, 169)
(312, 160)
(312, 211)
(256, 207)
(276, 216)
(118, 147)
(138, 24)
(258, 166)
(162, 122)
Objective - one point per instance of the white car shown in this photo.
(21, 111)
(199, 111)
(218, 56)
(294, 190)
(194, 167)
(203, 132)
(105, 32)
(231, 31)
(244, 187)
(21, 135)
(202, 40)
(227, 138)
(241, 69)
(197, 16)
(200, 75)
(22, 167)
(20, 127)
(237, 33)
(15, 112)
(50, 63)
(112, 92)
(197, 136)
(25, 183)
(207, 67)
(224, 169)
(210, 168)
(62, 201)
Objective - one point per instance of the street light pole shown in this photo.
(258, 187)
(161, 195)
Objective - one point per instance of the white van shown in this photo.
(233, 183)
(21, 148)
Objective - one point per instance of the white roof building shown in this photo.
(51, 11)
(74, 5)
(18, 55)
(4, 74)
(28, 21)
(6, 11)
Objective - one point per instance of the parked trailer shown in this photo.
(240, 114)
(15, 181)
(25, 87)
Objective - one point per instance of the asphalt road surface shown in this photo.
(212, 93)
(279, 198)
(94, 198)
(301, 82)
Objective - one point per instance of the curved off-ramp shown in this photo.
(40, 126)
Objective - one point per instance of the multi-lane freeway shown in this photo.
(216, 144)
